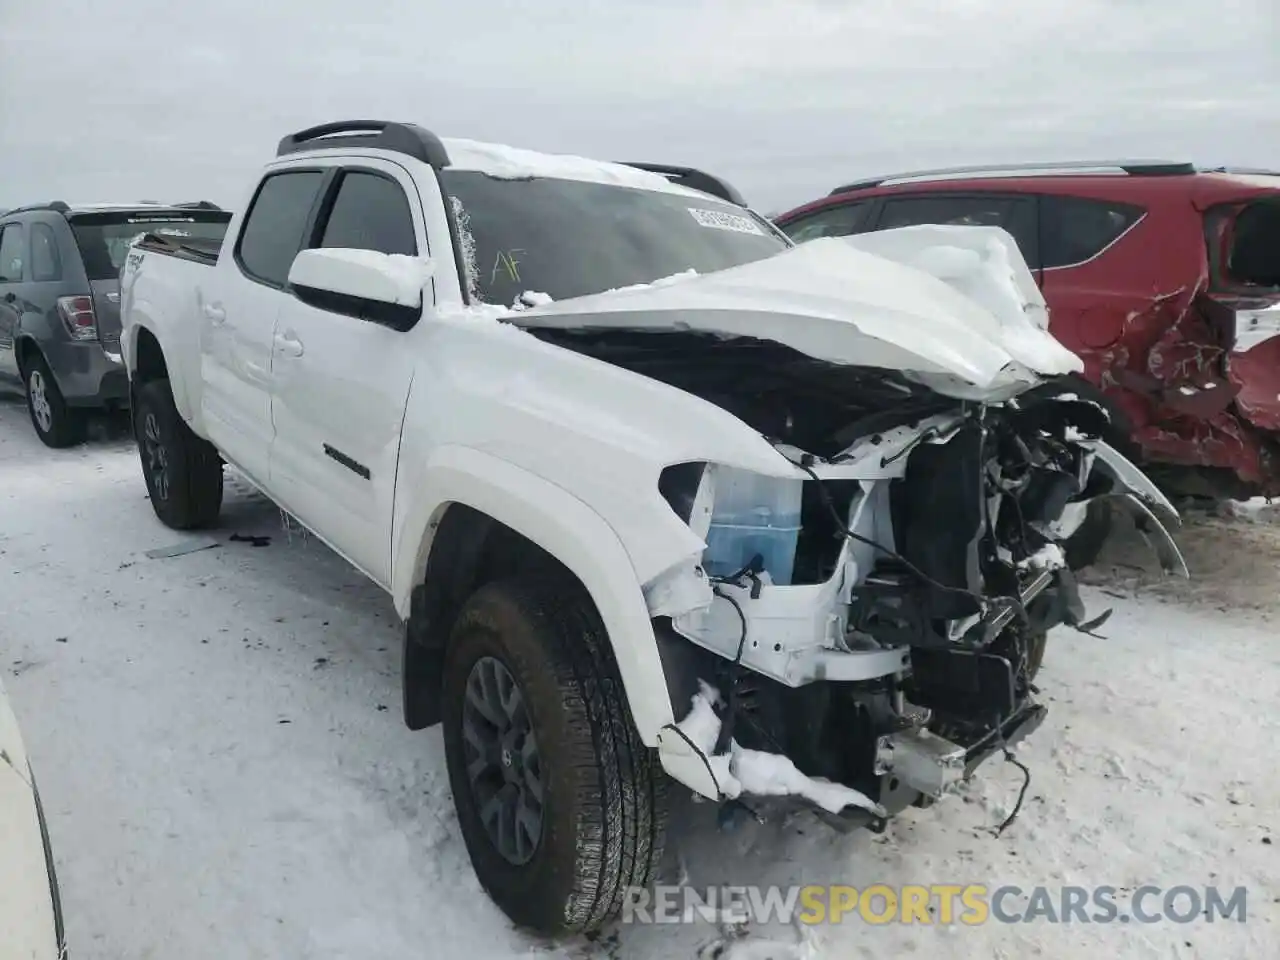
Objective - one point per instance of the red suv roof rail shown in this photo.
(1132, 168)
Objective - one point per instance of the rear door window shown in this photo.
(370, 212)
(13, 253)
(838, 221)
(274, 227)
(1074, 230)
(1015, 214)
(46, 262)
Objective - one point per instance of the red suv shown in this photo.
(1164, 278)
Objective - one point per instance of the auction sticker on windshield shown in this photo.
(719, 220)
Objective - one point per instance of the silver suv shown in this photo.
(60, 302)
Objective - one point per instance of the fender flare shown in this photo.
(33, 328)
(20, 343)
(565, 527)
(129, 351)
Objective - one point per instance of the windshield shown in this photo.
(570, 238)
(104, 238)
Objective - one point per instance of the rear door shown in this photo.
(1092, 294)
(237, 311)
(104, 239)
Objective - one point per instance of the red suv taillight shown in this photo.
(78, 317)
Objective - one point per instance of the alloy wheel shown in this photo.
(156, 457)
(38, 391)
(504, 767)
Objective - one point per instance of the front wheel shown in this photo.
(183, 472)
(561, 805)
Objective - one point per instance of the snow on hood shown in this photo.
(955, 307)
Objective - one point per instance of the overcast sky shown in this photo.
(183, 99)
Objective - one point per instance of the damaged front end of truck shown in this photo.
(864, 626)
(878, 638)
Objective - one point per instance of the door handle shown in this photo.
(215, 314)
(288, 345)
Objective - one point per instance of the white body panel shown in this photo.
(27, 927)
(467, 408)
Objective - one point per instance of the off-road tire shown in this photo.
(604, 815)
(56, 424)
(191, 496)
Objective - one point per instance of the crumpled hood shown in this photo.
(954, 307)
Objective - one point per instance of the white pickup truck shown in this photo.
(658, 494)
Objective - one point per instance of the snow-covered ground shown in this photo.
(220, 751)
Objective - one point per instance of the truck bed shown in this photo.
(196, 249)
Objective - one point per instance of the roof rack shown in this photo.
(1243, 171)
(1132, 168)
(694, 179)
(55, 205)
(406, 138)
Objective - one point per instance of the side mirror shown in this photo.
(378, 287)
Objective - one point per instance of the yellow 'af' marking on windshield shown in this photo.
(506, 261)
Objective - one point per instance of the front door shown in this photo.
(12, 262)
(342, 383)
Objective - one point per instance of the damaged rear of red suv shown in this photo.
(1163, 277)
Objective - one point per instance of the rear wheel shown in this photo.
(561, 806)
(183, 472)
(57, 425)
